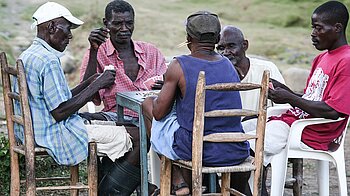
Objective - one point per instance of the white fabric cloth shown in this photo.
(113, 141)
(250, 99)
(276, 135)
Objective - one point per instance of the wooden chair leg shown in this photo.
(74, 178)
(92, 169)
(225, 184)
(298, 176)
(15, 180)
(165, 176)
(30, 176)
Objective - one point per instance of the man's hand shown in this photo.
(97, 37)
(106, 79)
(276, 84)
(157, 85)
(280, 95)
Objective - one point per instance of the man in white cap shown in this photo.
(57, 126)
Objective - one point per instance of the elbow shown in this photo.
(157, 115)
(334, 115)
(57, 115)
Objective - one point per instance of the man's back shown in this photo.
(66, 140)
(214, 154)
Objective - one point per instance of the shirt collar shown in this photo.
(111, 49)
(48, 47)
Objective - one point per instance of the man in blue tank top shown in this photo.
(171, 128)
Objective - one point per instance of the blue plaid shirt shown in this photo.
(66, 141)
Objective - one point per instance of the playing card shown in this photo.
(151, 81)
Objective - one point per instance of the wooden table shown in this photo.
(133, 100)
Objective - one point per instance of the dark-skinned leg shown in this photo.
(263, 184)
(147, 107)
(239, 182)
(177, 173)
(180, 181)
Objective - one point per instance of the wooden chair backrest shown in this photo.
(24, 119)
(200, 114)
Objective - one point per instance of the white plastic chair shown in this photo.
(154, 159)
(294, 150)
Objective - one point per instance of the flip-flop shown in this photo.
(156, 192)
(178, 187)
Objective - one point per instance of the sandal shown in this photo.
(177, 187)
(156, 192)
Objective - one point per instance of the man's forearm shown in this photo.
(318, 109)
(91, 68)
(69, 107)
(81, 86)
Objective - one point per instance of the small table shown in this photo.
(133, 100)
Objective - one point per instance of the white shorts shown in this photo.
(112, 141)
(276, 135)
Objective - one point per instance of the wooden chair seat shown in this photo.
(247, 165)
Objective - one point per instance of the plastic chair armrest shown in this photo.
(277, 110)
(299, 125)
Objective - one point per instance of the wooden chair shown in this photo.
(295, 182)
(250, 164)
(29, 150)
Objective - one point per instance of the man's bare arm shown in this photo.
(163, 103)
(96, 38)
(67, 108)
(84, 84)
(314, 108)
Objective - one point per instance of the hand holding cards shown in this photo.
(153, 81)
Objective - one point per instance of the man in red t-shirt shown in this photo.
(327, 90)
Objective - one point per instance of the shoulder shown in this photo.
(259, 62)
(37, 56)
(146, 46)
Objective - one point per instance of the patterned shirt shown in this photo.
(66, 141)
(151, 61)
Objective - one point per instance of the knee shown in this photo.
(147, 106)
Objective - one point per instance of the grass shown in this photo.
(276, 29)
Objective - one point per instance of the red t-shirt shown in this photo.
(329, 81)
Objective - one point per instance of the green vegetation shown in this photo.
(276, 29)
(4, 165)
(45, 166)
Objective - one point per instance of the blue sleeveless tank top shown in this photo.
(215, 154)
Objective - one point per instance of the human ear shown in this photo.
(245, 45)
(51, 27)
(338, 27)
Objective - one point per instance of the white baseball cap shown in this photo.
(52, 10)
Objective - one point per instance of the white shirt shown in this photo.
(250, 99)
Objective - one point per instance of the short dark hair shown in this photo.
(335, 12)
(118, 6)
